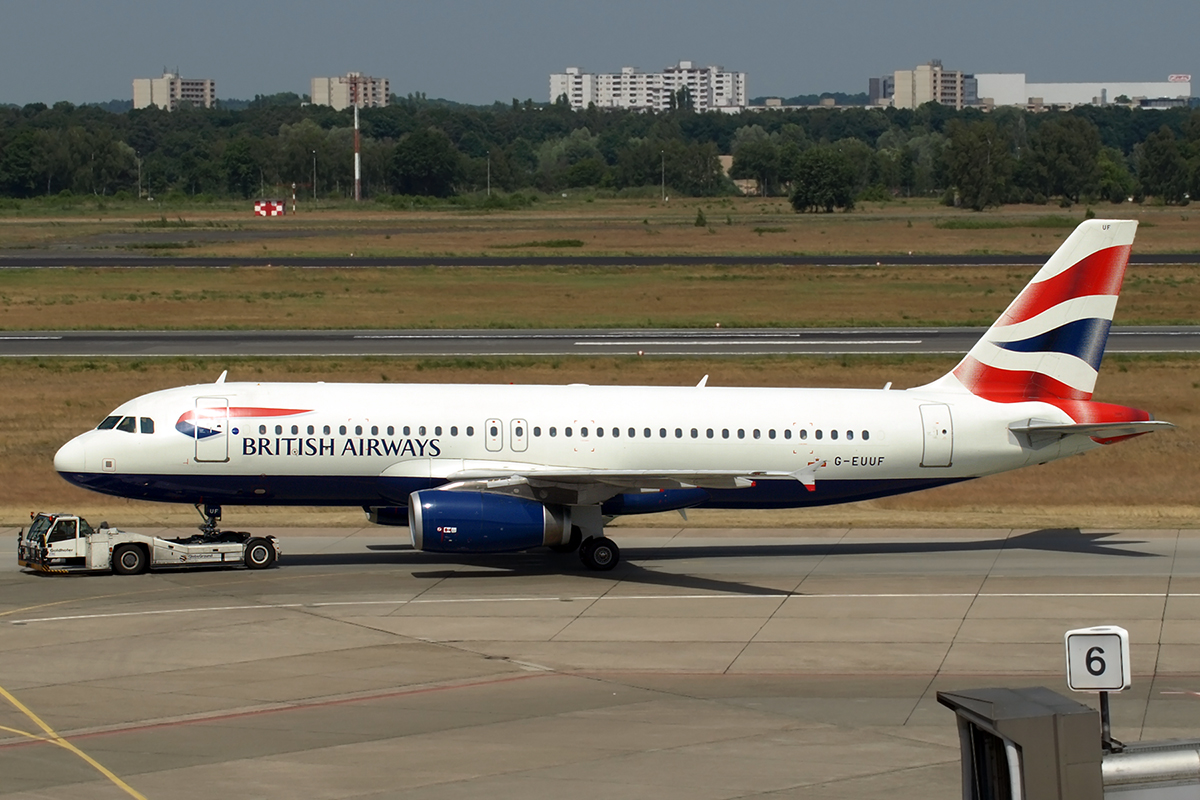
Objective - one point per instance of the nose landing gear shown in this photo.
(212, 516)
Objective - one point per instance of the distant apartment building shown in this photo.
(350, 89)
(711, 88)
(1011, 89)
(880, 90)
(933, 83)
(170, 91)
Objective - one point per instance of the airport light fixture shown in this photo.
(314, 152)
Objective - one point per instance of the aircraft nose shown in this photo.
(71, 457)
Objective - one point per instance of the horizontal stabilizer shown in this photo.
(1039, 433)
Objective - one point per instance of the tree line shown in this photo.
(823, 158)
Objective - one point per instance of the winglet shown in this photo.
(703, 382)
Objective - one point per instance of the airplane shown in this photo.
(504, 468)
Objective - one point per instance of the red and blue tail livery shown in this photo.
(1049, 342)
(489, 469)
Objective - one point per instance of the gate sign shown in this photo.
(1098, 659)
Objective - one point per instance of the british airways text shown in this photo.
(313, 446)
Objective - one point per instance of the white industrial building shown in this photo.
(170, 90)
(712, 88)
(1011, 89)
(350, 89)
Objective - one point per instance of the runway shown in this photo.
(712, 663)
(601, 342)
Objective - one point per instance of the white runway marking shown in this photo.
(604, 598)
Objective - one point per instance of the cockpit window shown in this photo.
(108, 422)
(147, 425)
(127, 424)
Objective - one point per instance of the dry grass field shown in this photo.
(593, 225)
(532, 297)
(1151, 482)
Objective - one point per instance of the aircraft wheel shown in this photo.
(601, 554)
(259, 554)
(129, 559)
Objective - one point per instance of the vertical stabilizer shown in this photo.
(1049, 342)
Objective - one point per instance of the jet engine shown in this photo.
(478, 522)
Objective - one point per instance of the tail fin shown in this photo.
(1049, 342)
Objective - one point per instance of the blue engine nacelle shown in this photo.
(477, 522)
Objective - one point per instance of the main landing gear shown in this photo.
(599, 553)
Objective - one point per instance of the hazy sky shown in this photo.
(476, 51)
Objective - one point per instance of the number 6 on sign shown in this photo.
(1098, 659)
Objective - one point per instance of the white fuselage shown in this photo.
(373, 444)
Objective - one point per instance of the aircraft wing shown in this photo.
(582, 486)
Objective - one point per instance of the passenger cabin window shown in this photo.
(741, 433)
(278, 429)
(646, 433)
(311, 430)
(566, 431)
(833, 434)
(470, 430)
(408, 431)
(679, 433)
(849, 435)
(866, 435)
(147, 425)
(724, 433)
(421, 431)
(326, 429)
(262, 428)
(599, 432)
(818, 433)
(757, 433)
(803, 433)
(771, 433)
(295, 429)
(662, 433)
(127, 424)
(374, 430)
(633, 433)
(438, 431)
(709, 433)
(391, 429)
(358, 430)
(787, 433)
(342, 430)
(108, 423)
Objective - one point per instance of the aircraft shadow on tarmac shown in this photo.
(631, 569)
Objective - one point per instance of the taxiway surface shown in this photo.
(709, 664)
(590, 342)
